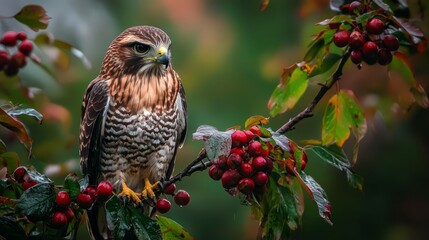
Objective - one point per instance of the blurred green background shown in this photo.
(230, 56)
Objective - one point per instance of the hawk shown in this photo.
(133, 119)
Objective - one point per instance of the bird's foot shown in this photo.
(148, 189)
(129, 194)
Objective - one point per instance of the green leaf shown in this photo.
(328, 61)
(289, 91)
(7, 205)
(144, 227)
(383, 5)
(10, 160)
(400, 66)
(317, 194)
(341, 114)
(37, 201)
(172, 230)
(71, 185)
(336, 157)
(364, 18)
(118, 219)
(314, 49)
(290, 201)
(10, 229)
(18, 111)
(217, 143)
(34, 16)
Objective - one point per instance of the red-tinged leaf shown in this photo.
(383, 5)
(288, 92)
(264, 4)
(341, 114)
(408, 27)
(34, 16)
(400, 65)
(172, 230)
(336, 19)
(256, 120)
(7, 205)
(17, 127)
(57, 50)
(217, 143)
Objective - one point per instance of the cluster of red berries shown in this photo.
(181, 198)
(64, 213)
(22, 177)
(370, 43)
(11, 64)
(248, 165)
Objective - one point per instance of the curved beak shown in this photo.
(162, 56)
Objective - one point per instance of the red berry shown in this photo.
(391, 42)
(69, 214)
(304, 161)
(182, 198)
(84, 200)
(26, 47)
(4, 59)
(28, 184)
(290, 165)
(104, 190)
(215, 172)
(230, 178)
(239, 138)
(355, 7)
(375, 26)
(221, 162)
(17, 60)
(370, 49)
(356, 40)
(255, 148)
(255, 130)
(246, 185)
(234, 161)
(63, 199)
(21, 36)
(19, 174)
(9, 39)
(237, 150)
(259, 163)
(384, 56)
(163, 205)
(356, 56)
(246, 170)
(59, 220)
(170, 188)
(265, 151)
(341, 38)
(250, 135)
(260, 178)
(91, 191)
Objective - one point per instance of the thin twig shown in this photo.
(308, 111)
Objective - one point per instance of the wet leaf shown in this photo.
(336, 157)
(341, 114)
(118, 219)
(37, 176)
(401, 66)
(217, 143)
(17, 127)
(71, 185)
(256, 120)
(37, 201)
(172, 230)
(17, 111)
(144, 227)
(34, 16)
(288, 92)
(10, 228)
(281, 140)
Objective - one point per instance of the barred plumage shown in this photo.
(133, 116)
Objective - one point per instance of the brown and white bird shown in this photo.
(133, 119)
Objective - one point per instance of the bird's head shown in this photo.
(139, 50)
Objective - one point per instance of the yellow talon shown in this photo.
(128, 193)
(148, 188)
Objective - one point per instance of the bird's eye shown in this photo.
(141, 48)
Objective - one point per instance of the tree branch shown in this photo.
(308, 111)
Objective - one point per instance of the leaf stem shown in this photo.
(308, 111)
